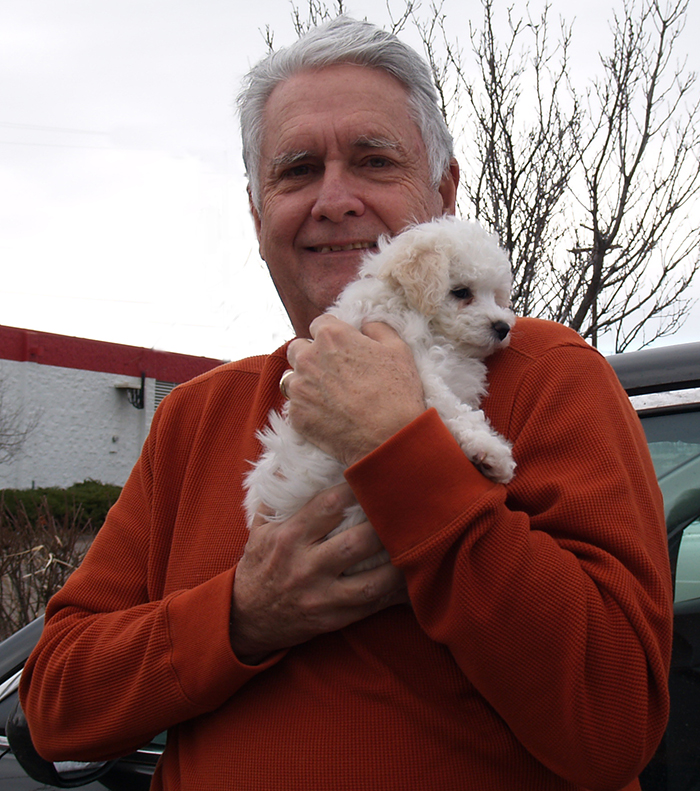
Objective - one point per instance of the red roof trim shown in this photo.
(46, 348)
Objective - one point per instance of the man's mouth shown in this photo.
(342, 248)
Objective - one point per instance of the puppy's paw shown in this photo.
(495, 460)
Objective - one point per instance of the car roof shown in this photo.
(658, 370)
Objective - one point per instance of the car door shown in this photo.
(673, 434)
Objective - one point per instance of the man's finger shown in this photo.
(380, 332)
(317, 518)
(371, 590)
(352, 546)
(296, 346)
(324, 320)
(262, 516)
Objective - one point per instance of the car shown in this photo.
(664, 387)
(22, 769)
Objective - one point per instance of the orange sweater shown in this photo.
(533, 656)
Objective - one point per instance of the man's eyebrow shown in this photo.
(363, 141)
(288, 158)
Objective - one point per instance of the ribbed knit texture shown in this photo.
(534, 652)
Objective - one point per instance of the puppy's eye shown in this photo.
(462, 293)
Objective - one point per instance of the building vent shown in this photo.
(162, 389)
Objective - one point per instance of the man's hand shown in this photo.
(352, 390)
(289, 584)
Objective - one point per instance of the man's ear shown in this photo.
(254, 213)
(448, 187)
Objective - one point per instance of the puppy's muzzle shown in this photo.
(501, 329)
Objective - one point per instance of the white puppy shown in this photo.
(444, 286)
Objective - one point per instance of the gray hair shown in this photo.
(344, 40)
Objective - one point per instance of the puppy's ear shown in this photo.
(415, 267)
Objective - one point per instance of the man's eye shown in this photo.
(462, 293)
(297, 171)
(377, 162)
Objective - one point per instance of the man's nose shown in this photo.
(338, 196)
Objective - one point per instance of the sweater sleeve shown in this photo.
(553, 594)
(118, 662)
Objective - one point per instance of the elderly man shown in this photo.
(520, 636)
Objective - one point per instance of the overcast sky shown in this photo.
(123, 214)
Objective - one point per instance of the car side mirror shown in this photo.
(64, 774)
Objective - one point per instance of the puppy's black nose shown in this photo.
(501, 329)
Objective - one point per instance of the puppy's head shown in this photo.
(457, 275)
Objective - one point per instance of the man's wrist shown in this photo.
(245, 649)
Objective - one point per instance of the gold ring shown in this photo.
(283, 382)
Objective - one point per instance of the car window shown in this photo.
(688, 568)
(674, 443)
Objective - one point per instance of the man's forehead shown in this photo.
(345, 104)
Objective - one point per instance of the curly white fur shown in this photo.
(444, 286)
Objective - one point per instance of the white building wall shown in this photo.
(86, 426)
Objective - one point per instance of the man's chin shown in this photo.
(322, 293)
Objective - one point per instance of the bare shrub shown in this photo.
(37, 557)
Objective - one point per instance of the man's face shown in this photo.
(342, 163)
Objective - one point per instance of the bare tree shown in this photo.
(591, 196)
(636, 251)
(15, 426)
(589, 190)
